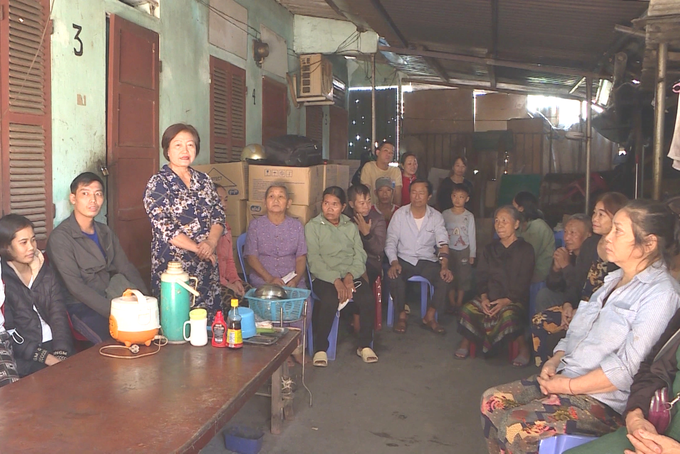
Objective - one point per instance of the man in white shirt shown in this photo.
(417, 245)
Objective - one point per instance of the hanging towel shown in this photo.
(674, 152)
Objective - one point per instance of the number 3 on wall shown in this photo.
(78, 50)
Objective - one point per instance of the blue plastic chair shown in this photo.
(425, 289)
(559, 239)
(560, 443)
(240, 246)
(533, 292)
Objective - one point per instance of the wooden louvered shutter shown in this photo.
(227, 111)
(314, 123)
(25, 120)
(238, 110)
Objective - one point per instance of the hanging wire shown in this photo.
(232, 20)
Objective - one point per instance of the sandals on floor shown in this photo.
(320, 359)
(434, 327)
(367, 354)
(407, 309)
(462, 353)
(400, 326)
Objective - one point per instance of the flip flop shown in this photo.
(400, 326)
(434, 327)
(407, 309)
(367, 354)
(462, 353)
(320, 359)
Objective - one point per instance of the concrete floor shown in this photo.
(417, 399)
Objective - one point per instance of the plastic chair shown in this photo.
(559, 239)
(425, 288)
(240, 246)
(533, 292)
(377, 294)
(560, 443)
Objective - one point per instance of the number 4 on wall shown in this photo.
(78, 50)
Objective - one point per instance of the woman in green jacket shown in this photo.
(337, 261)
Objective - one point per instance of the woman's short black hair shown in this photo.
(529, 204)
(279, 186)
(427, 183)
(406, 155)
(175, 129)
(356, 190)
(10, 224)
(336, 191)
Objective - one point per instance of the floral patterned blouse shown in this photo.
(174, 208)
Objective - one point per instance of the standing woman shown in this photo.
(337, 261)
(584, 387)
(409, 168)
(36, 316)
(536, 232)
(187, 217)
(446, 187)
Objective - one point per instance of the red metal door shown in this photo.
(132, 136)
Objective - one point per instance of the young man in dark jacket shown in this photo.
(89, 259)
(35, 315)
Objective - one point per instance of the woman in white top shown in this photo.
(584, 387)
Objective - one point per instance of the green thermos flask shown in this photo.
(176, 301)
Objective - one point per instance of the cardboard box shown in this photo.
(304, 183)
(336, 175)
(237, 216)
(233, 176)
(352, 163)
(302, 213)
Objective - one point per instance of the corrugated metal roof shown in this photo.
(315, 8)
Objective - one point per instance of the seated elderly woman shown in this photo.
(591, 266)
(504, 272)
(584, 387)
(187, 218)
(35, 313)
(275, 245)
(337, 261)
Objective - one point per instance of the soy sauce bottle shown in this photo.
(234, 334)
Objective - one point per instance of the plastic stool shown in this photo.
(513, 350)
(425, 288)
(560, 443)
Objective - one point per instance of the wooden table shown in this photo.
(174, 401)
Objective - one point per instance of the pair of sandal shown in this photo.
(366, 354)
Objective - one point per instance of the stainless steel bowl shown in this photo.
(271, 292)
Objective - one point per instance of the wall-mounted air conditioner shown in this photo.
(316, 79)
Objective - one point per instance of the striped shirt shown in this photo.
(618, 335)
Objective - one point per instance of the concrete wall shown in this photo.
(79, 83)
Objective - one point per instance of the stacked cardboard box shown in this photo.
(336, 175)
(233, 176)
(305, 187)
